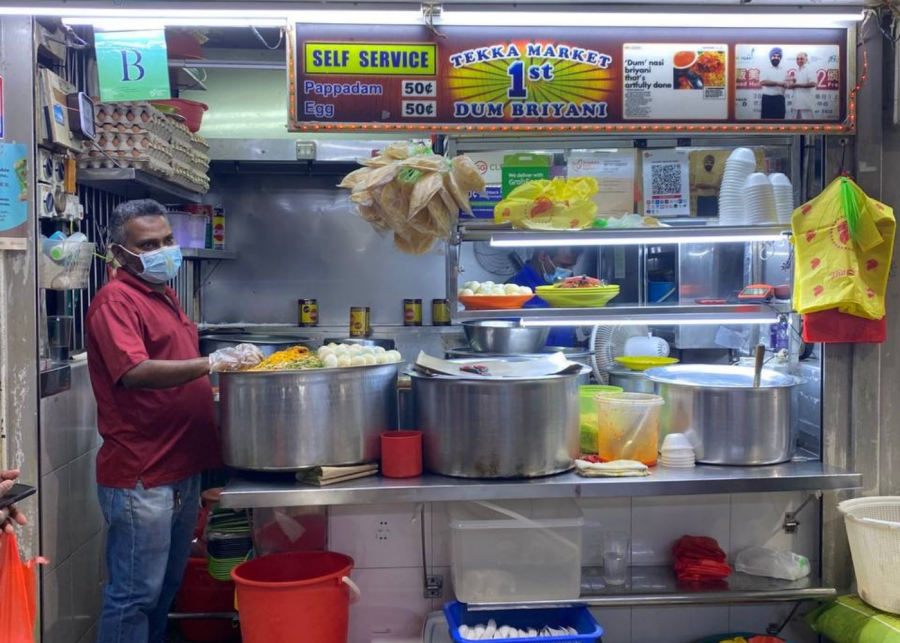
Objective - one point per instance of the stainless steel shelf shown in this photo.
(657, 585)
(728, 313)
(685, 233)
(212, 255)
(133, 183)
(281, 490)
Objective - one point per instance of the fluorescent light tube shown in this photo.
(359, 17)
(134, 24)
(736, 19)
(597, 240)
(736, 319)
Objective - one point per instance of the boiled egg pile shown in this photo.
(343, 355)
(493, 632)
(471, 288)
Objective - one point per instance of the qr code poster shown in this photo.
(790, 82)
(676, 82)
(666, 183)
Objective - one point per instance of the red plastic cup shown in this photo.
(401, 454)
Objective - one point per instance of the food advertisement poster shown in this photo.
(788, 82)
(666, 183)
(13, 196)
(614, 171)
(497, 78)
(676, 82)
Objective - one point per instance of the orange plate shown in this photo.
(494, 302)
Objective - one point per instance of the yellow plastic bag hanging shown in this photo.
(843, 243)
(559, 203)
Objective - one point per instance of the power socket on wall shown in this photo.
(383, 531)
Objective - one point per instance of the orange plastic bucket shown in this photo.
(298, 596)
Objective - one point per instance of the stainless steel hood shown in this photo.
(274, 150)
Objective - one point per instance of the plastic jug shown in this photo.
(628, 426)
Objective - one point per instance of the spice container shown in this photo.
(440, 312)
(360, 324)
(412, 312)
(308, 312)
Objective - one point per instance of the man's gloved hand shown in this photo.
(9, 516)
(238, 358)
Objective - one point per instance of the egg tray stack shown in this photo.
(137, 135)
(134, 147)
(228, 542)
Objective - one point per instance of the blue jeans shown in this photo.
(147, 548)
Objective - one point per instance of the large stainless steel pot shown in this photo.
(498, 428)
(725, 417)
(504, 337)
(267, 344)
(630, 381)
(288, 420)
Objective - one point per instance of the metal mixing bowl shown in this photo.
(505, 337)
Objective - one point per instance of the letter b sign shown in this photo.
(132, 70)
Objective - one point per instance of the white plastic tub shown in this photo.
(516, 550)
(873, 529)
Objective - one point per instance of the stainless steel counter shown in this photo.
(657, 585)
(251, 491)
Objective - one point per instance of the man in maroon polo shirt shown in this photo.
(155, 413)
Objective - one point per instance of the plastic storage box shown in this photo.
(516, 550)
(578, 618)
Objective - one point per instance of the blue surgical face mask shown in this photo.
(558, 273)
(160, 265)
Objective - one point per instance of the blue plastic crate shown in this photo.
(589, 631)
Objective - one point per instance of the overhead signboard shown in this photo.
(574, 79)
(132, 65)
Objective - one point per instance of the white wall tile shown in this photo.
(392, 605)
(757, 519)
(378, 536)
(85, 514)
(87, 576)
(676, 624)
(656, 523)
(439, 556)
(600, 515)
(616, 623)
(756, 618)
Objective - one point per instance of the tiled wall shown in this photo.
(72, 525)
(385, 541)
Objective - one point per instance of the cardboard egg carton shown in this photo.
(199, 144)
(136, 159)
(130, 114)
(131, 139)
(187, 176)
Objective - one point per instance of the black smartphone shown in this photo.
(17, 494)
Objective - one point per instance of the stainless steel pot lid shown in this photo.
(635, 375)
(494, 378)
(567, 351)
(715, 376)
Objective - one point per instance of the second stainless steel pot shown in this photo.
(728, 420)
(288, 420)
(498, 428)
(630, 381)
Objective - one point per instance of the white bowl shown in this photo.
(677, 441)
(743, 154)
(780, 180)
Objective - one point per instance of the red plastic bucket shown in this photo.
(299, 596)
(201, 593)
(401, 454)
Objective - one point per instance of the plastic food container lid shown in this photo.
(532, 514)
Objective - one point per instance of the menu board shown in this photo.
(788, 82)
(497, 79)
(676, 82)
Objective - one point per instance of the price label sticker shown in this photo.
(419, 88)
(419, 108)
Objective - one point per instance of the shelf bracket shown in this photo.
(791, 523)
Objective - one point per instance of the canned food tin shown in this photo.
(308, 312)
(360, 325)
(412, 312)
(440, 312)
